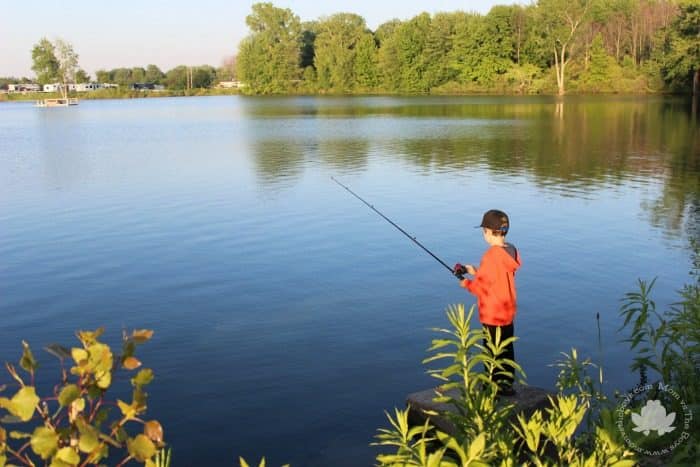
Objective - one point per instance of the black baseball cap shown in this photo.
(495, 220)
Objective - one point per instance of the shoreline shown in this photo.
(30, 97)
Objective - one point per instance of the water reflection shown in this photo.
(574, 145)
(278, 162)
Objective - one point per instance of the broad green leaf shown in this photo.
(79, 355)
(128, 410)
(89, 338)
(100, 361)
(28, 362)
(101, 416)
(98, 454)
(141, 448)
(65, 457)
(78, 405)
(44, 442)
(624, 463)
(476, 448)
(143, 377)
(88, 441)
(68, 394)
(22, 404)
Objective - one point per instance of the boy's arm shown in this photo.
(482, 278)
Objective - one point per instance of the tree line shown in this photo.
(57, 62)
(550, 46)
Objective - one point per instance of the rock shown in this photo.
(527, 399)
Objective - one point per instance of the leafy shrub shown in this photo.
(667, 345)
(75, 424)
(485, 433)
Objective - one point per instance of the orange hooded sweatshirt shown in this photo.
(494, 286)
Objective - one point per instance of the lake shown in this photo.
(288, 316)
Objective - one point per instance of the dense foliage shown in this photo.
(551, 46)
(487, 431)
(76, 423)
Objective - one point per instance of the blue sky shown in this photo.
(169, 33)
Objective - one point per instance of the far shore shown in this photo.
(116, 94)
(139, 94)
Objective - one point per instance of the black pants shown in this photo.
(509, 353)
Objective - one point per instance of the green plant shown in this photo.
(75, 424)
(487, 430)
(669, 344)
(242, 462)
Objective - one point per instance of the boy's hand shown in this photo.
(459, 270)
(469, 269)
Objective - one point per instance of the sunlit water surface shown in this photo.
(288, 316)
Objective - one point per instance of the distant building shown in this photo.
(24, 87)
(85, 87)
(229, 84)
(52, 87)
(142, 86)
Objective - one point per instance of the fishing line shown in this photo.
(413, 239)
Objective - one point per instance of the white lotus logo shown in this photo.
(653, 417)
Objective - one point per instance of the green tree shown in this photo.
(67, 63)
(401, 56)
(603, 70)
(103, 76)
(138, 75)
(335, 50)
(121, 76)
(153, 75)
(388, 61)
(487, 47)
(559, 23)
(679, 52)
(366, 71)
(44, 61)
(203, 76)
(268, 58)
(176, 78)
(465, 55)
(81, 76)
(438, 46)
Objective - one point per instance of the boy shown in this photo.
(494, 286)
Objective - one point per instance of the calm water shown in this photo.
(287, 315)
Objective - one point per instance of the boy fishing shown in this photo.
(493, 284)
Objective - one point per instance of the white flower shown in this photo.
(653, 418)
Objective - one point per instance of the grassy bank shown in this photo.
(117, 94)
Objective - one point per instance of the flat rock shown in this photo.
(527, 399)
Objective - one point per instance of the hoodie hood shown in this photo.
(509, 257)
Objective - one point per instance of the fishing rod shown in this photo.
(413, 239)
